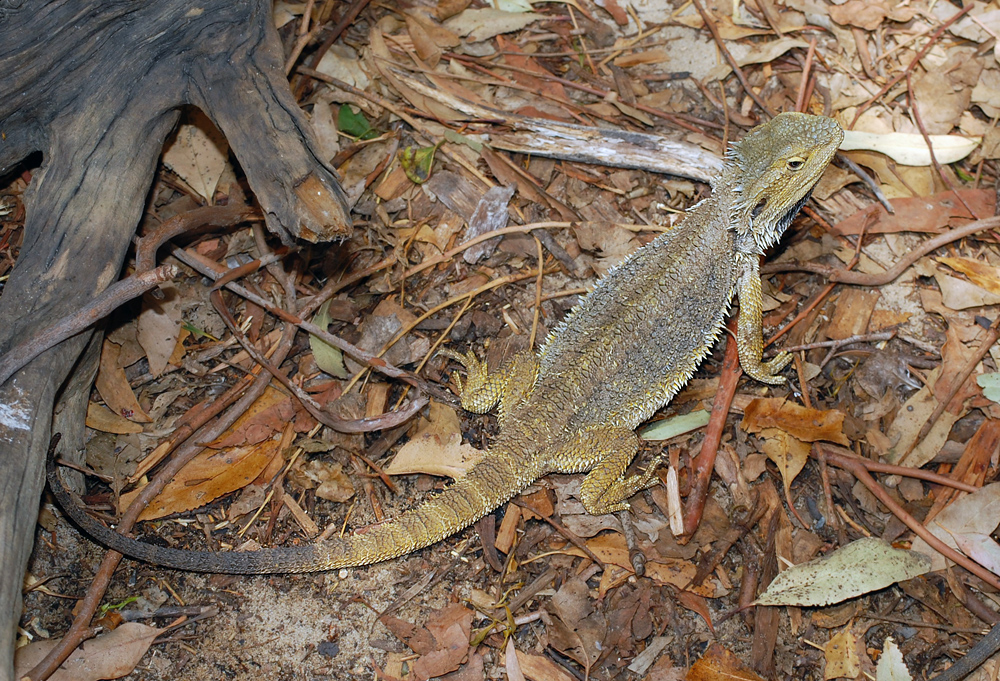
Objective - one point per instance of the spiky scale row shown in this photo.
(623, 353)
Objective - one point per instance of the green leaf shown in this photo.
(198, 333)
(328, 358)
(674, 426)
(990, 383)
(417, 162)
(354, 124)
(107, 607)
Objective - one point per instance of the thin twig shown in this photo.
(930, 147)
(800, 101)
(861, 338)
(710, 24)
(916, 60)
(538, 297)
(99, 584)
(860, 472)
(103, 304)
(364, 425)
(843, 276)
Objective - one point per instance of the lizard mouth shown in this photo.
(787, 218)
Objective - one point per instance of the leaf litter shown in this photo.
(458, 127)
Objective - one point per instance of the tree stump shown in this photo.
(95, 86)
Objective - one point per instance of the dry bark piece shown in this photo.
(100, 122)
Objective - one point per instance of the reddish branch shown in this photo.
(859, 469)
(703, 464)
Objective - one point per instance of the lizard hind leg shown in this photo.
(606, 452)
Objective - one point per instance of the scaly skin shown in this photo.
(623, 353)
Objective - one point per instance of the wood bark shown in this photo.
(95, 86)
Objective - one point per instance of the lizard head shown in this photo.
(773, 169)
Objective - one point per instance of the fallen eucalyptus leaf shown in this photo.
(675, 425)
(865, 565)
(328, 358)
(890, 664)
(990, 383)
(910, 148)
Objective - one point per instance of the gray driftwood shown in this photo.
(601, 146)
(95, 85)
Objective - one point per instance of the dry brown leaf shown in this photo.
(611, 242)
(441, 36)
(108, 656)
(868, 14)
(511, 662)
(941, 101)
(842, 656)
(611, 548)
(198, 154)
(718, 663)
(490, 215)
(615, 10)
(381, 326)
(542, 83)
(451, 628)
(808, 425)
(854, 311)
(114, 387)
(209, 476)
(919, 214)
(644, 57)
(103, 419)
(541, 668)
(325, 128)
(756, 53)
(159, 326)
(434, 455)
(979, 273)
(328, 479)
(478, 25)
(975, 514)
(960, 294)
(891, 666)
(423, 44)
(788, 453)
(382, 59)
(265, 417)
(911, 417)
(696, 604)
(955, 355)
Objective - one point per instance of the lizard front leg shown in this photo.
(606, 452)
(483, 389)
(749, 336)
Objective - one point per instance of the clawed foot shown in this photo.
(769, 371)
(616, 497)
(480, 392)
(468, 360)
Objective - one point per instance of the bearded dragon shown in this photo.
(617, 358)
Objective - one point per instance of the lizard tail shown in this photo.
(492, 481)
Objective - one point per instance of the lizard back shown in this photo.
(640, 334)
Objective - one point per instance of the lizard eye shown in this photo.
(795, 163)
